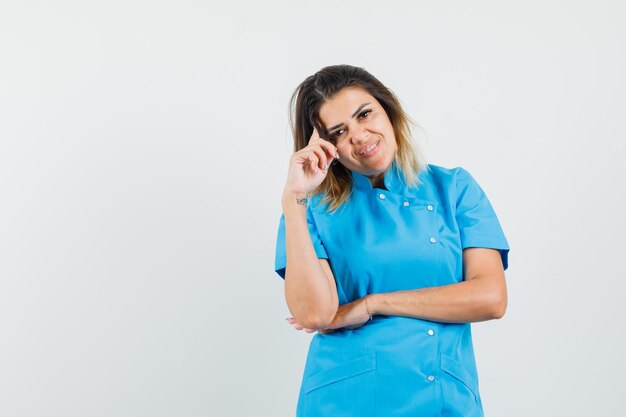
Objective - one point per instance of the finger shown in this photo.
(321, 157)
(314, 135)
(327, 154)
(294, 323)
(311, 161)
(329, 148)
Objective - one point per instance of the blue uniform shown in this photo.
(401, 238)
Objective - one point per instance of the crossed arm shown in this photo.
(481, 296)
(311, 291)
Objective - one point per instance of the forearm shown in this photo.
(466, 301)
(307, 291)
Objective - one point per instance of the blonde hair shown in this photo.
(305, 104)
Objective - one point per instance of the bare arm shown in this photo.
(310, 288)
(481, 296)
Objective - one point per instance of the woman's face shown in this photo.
(360, 129)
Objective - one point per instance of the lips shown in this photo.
(367, 149)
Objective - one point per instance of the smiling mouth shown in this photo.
(369, 149)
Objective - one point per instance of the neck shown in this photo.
(378, 181)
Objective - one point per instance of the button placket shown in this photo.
(431, 208)
(431, 223)
(431, 376)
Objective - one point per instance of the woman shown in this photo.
(386, 258)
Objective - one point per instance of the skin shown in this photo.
(351, 133)
(355, 120)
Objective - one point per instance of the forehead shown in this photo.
(343, 104)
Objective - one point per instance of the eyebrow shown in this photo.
(353, 114)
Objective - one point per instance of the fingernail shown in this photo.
(325, 166)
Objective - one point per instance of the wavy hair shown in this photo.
(305, 104)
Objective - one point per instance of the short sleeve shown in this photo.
(280, 262)
(477, 221)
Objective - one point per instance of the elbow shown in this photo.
(498, 307)
(498, 311)
(318, 319)
(316, 322)
(495, 300)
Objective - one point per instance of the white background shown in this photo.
(144, 147)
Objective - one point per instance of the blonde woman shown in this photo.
(386, 258)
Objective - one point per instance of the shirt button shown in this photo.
(429, 207)
(431, 378)
(381, 196)
(431, 332)
(405, 204)
(433, 240)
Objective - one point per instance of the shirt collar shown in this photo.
(394, 179)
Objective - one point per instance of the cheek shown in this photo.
(343, 150)
(345, 153)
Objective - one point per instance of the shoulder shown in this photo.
(442, 172)
(444, 177)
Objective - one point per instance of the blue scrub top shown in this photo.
(397, 239)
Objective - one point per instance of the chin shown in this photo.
(372, 172)
(381, 166)
(371, 169)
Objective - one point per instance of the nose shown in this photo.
(359, 134)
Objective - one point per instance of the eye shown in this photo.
(364, 114)
(336, 134)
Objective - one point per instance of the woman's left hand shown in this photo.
(349, 316)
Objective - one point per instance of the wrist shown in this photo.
(291, 197)
(369, 305)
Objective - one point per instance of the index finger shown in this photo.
(332, 149)
(315, 134)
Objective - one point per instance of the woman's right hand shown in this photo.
(309, 166)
